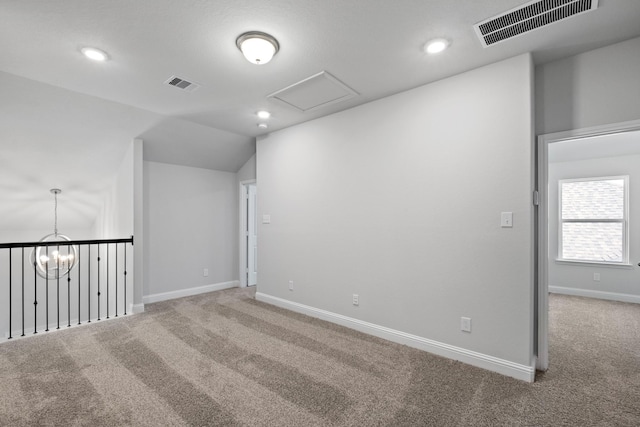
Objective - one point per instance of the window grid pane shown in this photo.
(602, 199)
(596, 241)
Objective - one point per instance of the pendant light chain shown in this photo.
(55, 192)
(55, 214)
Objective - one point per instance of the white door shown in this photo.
(252, 236)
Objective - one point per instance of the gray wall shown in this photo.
(190, 223)
(591, 89)
(248, 170)
(615, 282)
(399, 201)
(115, 219)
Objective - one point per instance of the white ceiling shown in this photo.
(596, 147)
(66, 121)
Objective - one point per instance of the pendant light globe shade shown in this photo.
(257, 47)
(54, 262)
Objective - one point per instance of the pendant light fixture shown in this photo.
(54, 262)
(257, 47)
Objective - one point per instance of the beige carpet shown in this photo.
(225, 359)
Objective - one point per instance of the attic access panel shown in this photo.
(312, 93)
(528, 17)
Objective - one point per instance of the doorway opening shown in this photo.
(248, 233)
(576, 162)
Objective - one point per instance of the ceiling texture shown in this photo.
(66, 121)
(596, 147)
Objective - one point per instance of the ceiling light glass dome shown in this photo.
(257, 47)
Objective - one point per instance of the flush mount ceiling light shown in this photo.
(94, 54)
(262, 125)
(257, 47)
(263, 114)
(436, 46)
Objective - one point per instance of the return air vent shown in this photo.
(183, 84)
(528, 17)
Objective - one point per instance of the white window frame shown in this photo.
(624, 221)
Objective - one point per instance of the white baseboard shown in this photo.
(137, 308)
(504, 367)
(148, 299)
(595, 294)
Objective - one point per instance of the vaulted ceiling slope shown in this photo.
(61, 112)
(373, 46)
(54, 137)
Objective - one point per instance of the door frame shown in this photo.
(542, 361)
(242, 258)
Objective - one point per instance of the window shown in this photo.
(593, 220)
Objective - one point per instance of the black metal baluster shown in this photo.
(79, 275)
(116, 280)
(108, 280)
(10, 311)
(58, 287)
(98, 281)
(42, 267)
(89, 285)
(22, 291)
(46, 283)
(68, 291)
(35, 298)
(125, 279)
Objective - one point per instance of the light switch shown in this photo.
(266, 219)
(506, 219)
(465, 324)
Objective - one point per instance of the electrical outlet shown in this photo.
(596, 277)
(465, 324)
(205, 272)
(356, 299)
(290, 285)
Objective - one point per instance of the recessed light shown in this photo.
(262, 125)
(436, 46)
(94, 54)
(263, 114)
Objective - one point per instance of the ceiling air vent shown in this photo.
(183, 84)
(528, 17)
